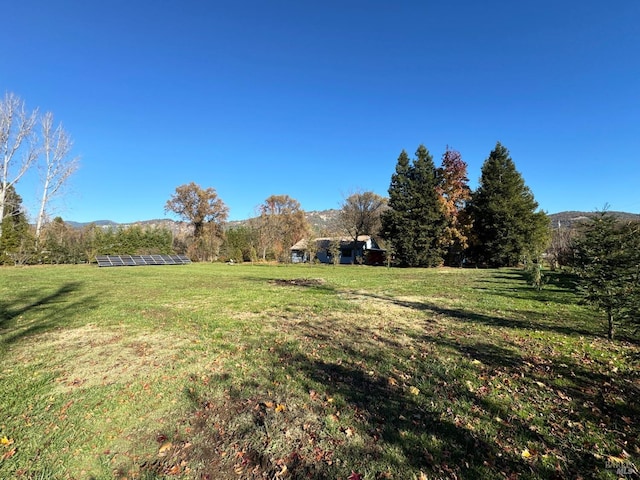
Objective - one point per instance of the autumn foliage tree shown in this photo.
(281, 223)
(206, 212)
(454, 193)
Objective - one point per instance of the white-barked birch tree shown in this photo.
(56, 166)
(18, 149)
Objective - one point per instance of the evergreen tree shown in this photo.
(607, 261)
(395, 224)
(415, 222)
(506, 227)
(17, 241)
(238, 243)
(57, 243)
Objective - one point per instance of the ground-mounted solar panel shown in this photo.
(159, 259)
(117, 261)
(147, 260)
(137, 260)
(103, 260)
(128, 260)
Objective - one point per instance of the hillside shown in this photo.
(572, 218)
(325, 221)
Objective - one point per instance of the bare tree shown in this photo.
(360, 214)
(16, 139)
(57, 166)
(560, 247)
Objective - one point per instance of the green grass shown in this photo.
(257, 371)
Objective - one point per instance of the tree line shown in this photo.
(431, 217)
(434, 217)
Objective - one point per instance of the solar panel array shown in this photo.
(136, 260)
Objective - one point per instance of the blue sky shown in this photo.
(317, 99)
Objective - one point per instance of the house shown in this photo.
(365, 250)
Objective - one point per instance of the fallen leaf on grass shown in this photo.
(9, 454)
(6, 441)
(615, 460)
(414, 390)
(526, 453)
(280, 408)
(164, 448)
(355, 476)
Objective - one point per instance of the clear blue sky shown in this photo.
(317, 99)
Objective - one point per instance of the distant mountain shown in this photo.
(571, 219)
(100, 223)
(322, 221)
(326, 221)
(175, 227)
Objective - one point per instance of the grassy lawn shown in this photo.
(211, 371)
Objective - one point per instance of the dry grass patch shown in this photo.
(89, 356)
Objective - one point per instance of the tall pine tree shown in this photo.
(16, 240)
(507, 229)
(415, 221)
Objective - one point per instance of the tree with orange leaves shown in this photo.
(453, 193)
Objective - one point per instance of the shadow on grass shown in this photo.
(447, 429)
(565, 401)
(585, 392)
(395, 420)
(483, 401)
(512, 319)
(560, 287)
(565, 397)
(42, 312)
(305, 283)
